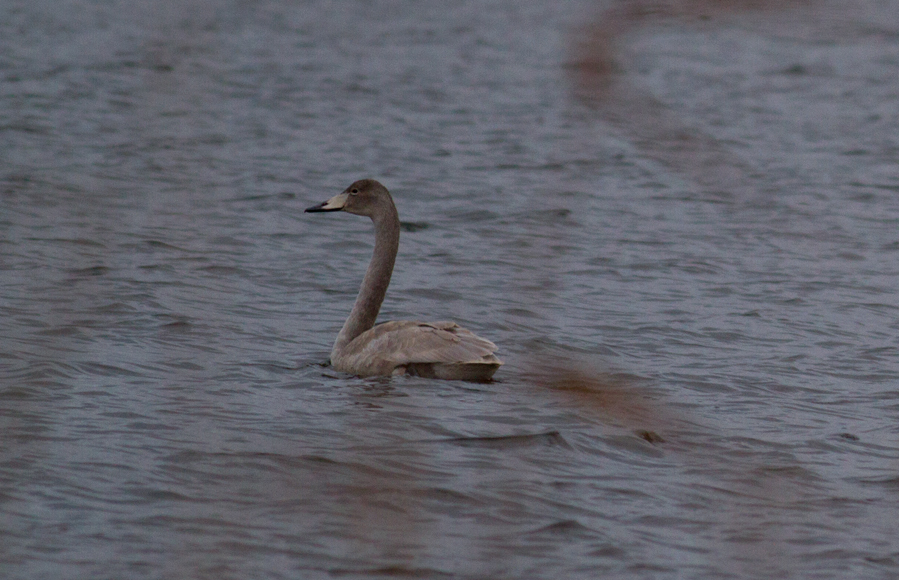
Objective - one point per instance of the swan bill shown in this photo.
(336, 203)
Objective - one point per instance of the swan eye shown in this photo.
(354, 191)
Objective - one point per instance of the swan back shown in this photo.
(428, 349)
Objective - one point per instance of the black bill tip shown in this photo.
(320, 207)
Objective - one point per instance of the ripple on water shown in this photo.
(690, 273)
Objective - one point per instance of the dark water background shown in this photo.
(690, 264)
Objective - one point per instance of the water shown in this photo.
(708, 250)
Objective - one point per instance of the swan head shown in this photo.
(363, 197)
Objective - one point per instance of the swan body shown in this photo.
(442, 350)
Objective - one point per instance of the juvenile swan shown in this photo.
(442, 350)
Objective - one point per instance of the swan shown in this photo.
(442, 350)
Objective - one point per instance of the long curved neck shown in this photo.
(377, 277)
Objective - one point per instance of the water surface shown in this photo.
(700, 336)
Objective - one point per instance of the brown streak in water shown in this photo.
(611, 397)
(599, 81)
(381, 506)
(757, 497)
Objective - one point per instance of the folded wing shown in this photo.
(425, 348)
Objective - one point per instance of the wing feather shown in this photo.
(394, 344)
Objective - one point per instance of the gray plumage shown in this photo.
(442, 350)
